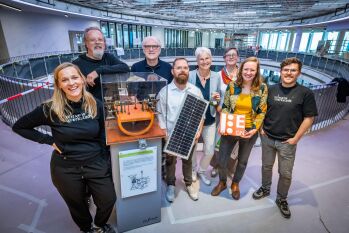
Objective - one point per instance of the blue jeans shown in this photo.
(225, 149)
(286, 156)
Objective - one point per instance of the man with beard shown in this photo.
(96, 62)
(176, 91)
(290, 113)
(152, 49)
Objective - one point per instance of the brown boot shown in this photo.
(235, 191)
(219, 188)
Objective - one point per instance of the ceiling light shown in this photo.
(10, 7)
(66, 15)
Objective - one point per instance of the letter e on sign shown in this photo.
(232, 124)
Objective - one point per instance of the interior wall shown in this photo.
(3, 47)
(29, 33)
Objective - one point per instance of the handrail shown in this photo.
(21, 74)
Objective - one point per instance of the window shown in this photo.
(112, 34)
(125, 33)
(198, 39)
(332, 37)
(272, 41)
(345, 45)
(143, 32)
(104, 29)
(119, 35)
(282, 41)
(304, 42)
(139, 36)
(316, 37)
(264, 39)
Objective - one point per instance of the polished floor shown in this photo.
(318, 197)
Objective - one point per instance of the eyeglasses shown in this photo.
(181, 68)
(99, 40)
(232, 55)
(289, 70)
(151, 46)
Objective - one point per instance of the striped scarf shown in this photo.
(226, 77)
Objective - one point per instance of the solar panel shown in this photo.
(182, 138)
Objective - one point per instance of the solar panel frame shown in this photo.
(187, 124)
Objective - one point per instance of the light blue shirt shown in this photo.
(172, 103)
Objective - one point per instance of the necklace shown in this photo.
(204, 78)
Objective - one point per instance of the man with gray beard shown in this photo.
(95, 61)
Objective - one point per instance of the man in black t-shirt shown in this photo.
(291, 111)
(96, 61)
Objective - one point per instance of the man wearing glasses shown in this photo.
(290, 113)
(152, 49)
(96, 62)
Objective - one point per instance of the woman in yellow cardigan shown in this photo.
(246, 96)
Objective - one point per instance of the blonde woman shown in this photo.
(246, 96)
(78, 159)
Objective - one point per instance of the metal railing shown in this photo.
(21, 75)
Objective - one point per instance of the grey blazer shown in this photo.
(215, 85)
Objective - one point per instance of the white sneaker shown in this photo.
(204, 178)
(192, 193)
(170, 193)
(194, 176)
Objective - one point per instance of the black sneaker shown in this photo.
(260, 193)
(105, 229)
(283, 207)
(89, 231)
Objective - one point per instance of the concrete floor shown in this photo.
(318, 197)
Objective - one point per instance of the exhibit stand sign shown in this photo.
(135, 140)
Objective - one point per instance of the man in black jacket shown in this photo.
(96, 62)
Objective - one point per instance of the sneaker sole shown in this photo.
(258, 198)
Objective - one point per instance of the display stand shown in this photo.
(141, 209)
(135, 140)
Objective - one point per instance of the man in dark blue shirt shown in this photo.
(152, 49)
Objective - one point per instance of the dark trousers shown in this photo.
(186, 169)
(225, 149)
(71, 183)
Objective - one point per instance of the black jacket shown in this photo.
(109, 64)
(342, 89)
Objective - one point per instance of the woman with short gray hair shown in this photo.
(209, 84)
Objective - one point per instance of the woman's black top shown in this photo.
(81, 139)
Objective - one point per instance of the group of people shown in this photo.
(80, 160)
(281, 114)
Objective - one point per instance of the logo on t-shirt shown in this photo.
(284, 99)
(78, 117)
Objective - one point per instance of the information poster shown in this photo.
(138, 171)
